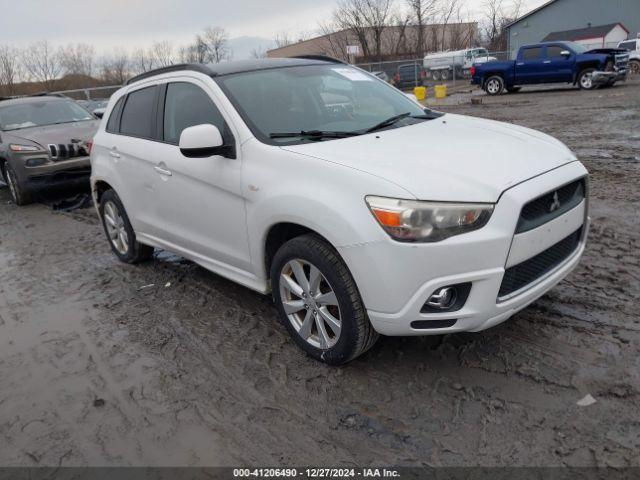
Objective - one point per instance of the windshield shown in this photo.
(315, 98)
(576, 47)
(35, 114)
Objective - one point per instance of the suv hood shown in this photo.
(453, 158)
(63, 133)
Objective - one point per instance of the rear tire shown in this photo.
(309, 263)
(444, 75)
(119, 231)
(585, 79)
(435, 75)
(20, 194)
(494, 85)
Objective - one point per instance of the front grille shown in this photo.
(527, 272)
(65, 151)
(551, 205)
(622, 61)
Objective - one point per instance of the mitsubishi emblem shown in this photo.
(555, 204)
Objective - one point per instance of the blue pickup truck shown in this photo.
(553, 62)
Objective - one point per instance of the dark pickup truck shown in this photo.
(553, 62)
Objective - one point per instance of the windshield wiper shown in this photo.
(313, 134)
(428, 115)
(388, 122)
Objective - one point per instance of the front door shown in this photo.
(200, 199)
(529, 65)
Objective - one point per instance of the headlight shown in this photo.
(24, 148)
(416, 221)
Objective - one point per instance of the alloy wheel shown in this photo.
(493, 86)
(115, 228)
(310, 303)
(635, 68)
(586, 81)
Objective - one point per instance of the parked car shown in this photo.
(98, 106)
(242, 168)
(553, 62)
(409, 76)
(633, 46)
(44, 141)
(443, 65)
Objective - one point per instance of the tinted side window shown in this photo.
(112, 124)
(137, 115)
(187, 105)
(532, 53)
(555, 51)
(628, 45)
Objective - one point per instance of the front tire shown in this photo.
(585, 79)
(19, 192)
(318, 301)
(494, 85)
(634, 67)
(119, 231)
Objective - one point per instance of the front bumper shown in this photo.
(602, 78)
(396, 279)
(64, 172)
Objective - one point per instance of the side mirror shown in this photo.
(203, 141)
(99, 114)
(565, 53)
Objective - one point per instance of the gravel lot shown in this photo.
(195, 370)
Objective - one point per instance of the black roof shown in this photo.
(239, 66)
(580, 33)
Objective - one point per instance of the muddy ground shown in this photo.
(195, 370)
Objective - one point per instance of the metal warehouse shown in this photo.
(566, 15)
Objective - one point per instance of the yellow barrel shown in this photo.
(441, 91)
(420, 93)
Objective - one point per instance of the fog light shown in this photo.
(36, 162)
(443, 298)
(447, 299)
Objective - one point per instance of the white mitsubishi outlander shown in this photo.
(359, 210)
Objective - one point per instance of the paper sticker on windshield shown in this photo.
(353, 75)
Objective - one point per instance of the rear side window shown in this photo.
(628, 45)
(187, 105)
(112, 124)
(532, 53)
(138, 113)
(555, 51)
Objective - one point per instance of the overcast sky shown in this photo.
(133, 23)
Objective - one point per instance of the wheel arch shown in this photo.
(98, 188)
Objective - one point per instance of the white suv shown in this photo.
(359, 210)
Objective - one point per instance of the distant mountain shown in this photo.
(243, 46)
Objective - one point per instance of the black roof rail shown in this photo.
(324, 58)
(195, 67)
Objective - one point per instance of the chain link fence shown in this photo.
(431, 70)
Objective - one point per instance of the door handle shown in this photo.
(163, 171)
(547, 61)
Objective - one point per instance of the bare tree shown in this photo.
(282, 39)
(497, 14)
(422, 13)
(335, 41)
(193, 53)
(42, 63)
(259, 52)
(142, 61)
(116, 67)
(162, 54)
(9, 69)
(215, 41)
(77, 59)
(367, 20)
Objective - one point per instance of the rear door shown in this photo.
(131, 150)
(529, 65)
